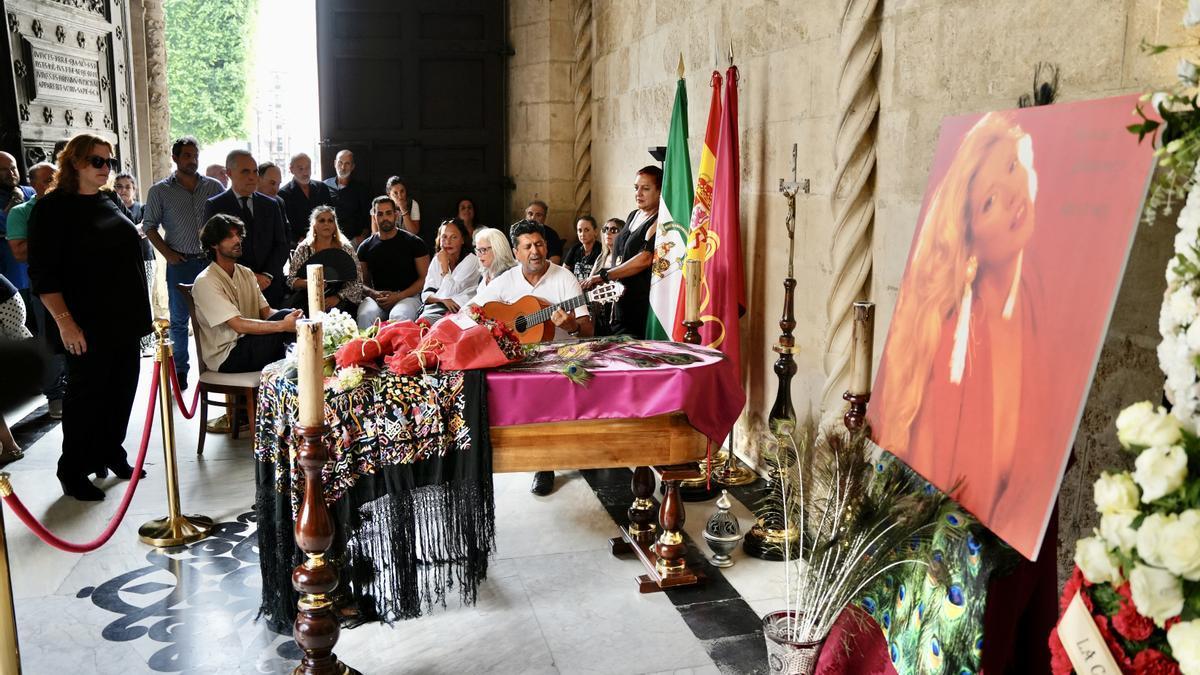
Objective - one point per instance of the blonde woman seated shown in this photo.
(494, 253)
(326, 245)
(453, 273)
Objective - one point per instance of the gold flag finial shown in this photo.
(680, 69)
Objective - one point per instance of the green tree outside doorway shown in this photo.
(208, 54)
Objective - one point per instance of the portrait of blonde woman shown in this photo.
(1004, 304)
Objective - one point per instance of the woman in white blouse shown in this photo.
(453, 273)
(494, 253)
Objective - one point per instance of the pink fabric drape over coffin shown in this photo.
(708, 392)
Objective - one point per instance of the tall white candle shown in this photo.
(692, 279)
(316, 290)
(310, 372)
(863, 342)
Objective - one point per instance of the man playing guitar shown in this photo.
(537, 276)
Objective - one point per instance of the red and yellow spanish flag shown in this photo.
(720, 244)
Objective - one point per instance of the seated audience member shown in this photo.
(409, 212)
(12, 329)
(467, 214)
(242, 333)
(536, 211)
(583, 255)
(494, 253)
(266, 244)
(608, 259)
(394, 264)
(11, 195)
(301, 195)
(323, 234)
(539, 277)
(453, 273)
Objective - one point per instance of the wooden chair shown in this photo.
(240, 388)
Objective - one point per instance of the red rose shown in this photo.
(1154, 662)
(1060, 663)
(1114, 647)
(1075, 584)
(1128, 622)
(1171, 622)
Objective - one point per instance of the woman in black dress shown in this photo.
(85, 262)
(582, 257)
(635, 246)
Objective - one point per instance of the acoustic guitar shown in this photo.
(529, 317)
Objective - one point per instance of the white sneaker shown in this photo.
(56, 409)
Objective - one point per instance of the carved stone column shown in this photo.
(581, 85)
(853, 193)
(155, 27)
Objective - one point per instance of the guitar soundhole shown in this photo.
(522, 325)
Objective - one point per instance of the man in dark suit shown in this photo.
(302, 194)
(351, 199)
(265, 248)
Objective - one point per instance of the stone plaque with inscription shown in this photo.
(64, 76)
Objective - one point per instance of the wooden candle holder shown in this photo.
(316, 629)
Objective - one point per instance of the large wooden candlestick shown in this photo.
(316, 629)
(862, 342)
(316, 290)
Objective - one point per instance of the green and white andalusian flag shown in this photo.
(674, 223)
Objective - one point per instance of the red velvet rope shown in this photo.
(188, 414)
(47, 536)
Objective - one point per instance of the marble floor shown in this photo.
(555, 600)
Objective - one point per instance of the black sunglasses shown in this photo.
(99, 162)
(611, 229)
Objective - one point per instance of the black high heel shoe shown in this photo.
(124, 471)
(81, 489)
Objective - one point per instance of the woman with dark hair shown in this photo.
(467, 214)
(85, 258)
(453, 273)
(406, 207)
(325, 235)
(583, 255)
(635, 246)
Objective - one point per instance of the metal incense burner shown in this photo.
(722, 532)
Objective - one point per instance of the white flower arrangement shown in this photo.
(339, 328)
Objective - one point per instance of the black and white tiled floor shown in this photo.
(555, 600)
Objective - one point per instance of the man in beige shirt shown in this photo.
(242, 333)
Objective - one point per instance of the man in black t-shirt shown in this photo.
(394, 263)
(536, 210)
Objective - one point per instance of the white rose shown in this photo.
(1159, 471)
(1182, 305)
(1140, 425)
(1179, 547)
(1184, 638)
(1115, 492)
(1192, 18)
(1186, 72)
(1117, 530)
(1157, 594)
(1193, 336)
(1150, 537)
(1094, 560)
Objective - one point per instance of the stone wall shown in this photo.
(541, 118)
(939, 58)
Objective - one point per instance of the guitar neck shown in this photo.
(543, 315)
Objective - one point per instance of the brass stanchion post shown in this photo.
(10, 650)
(175, 529)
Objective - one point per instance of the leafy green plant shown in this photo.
(208, 50)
